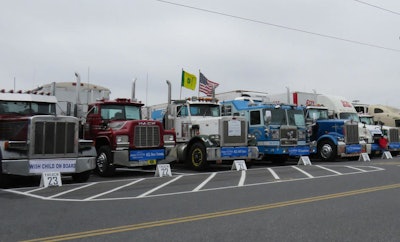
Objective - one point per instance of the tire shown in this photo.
(104, 166)
(4, 178)
(4, 181)
(81, 177)
(327, 150)
(249, 163)
(197, 157)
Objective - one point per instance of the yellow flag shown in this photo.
(188, 80)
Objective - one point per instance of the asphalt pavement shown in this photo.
(340, 201)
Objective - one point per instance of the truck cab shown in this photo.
(33, 139)
(280, 129)
(391, 133)
(203, 136)
(123, 138)
(332, 138)
(386, 115)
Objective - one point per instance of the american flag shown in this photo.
(206, 86)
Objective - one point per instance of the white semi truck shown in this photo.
(203, 136)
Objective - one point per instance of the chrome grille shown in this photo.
(53, 137)
(147, 136)
(393, 135)
(233, 140)
(288, 135)
(351, 133)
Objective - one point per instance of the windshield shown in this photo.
(278, 117)
(296, 117)
(349, 116)
(204, 110)
(367, 120)
(318, 114)
(27, 108)
(120, 112)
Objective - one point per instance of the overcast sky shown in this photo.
(340, 47)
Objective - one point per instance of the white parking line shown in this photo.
(273, 173)
(201, 188)
(355, 168)
(36, 189)
(159, 187)
(204, 182)
(242, 178)
(333, 171)
(304, 172)
(377, 168)
(71, 190)
(113, 190)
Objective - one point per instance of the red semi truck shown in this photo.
(122, 137)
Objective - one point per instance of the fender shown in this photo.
(102, 140)
(331, 136)
(181, 149)
(205, 139)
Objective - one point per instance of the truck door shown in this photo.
(256, 125)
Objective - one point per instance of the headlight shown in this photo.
(122, 139)
(302, 134)
(251, 136)
(215, 137)
(168, 137)
(275, 134)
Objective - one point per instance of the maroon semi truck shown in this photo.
(34, 140)
(122, 137)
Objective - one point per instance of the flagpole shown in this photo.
(180, 94)
(198, 91)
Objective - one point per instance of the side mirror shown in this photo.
(267, 116)
(314, 117)
(330, 113)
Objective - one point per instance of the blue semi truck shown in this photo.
(333, 138)
(280, 130)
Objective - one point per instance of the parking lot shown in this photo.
(137, 184)
(137, 204)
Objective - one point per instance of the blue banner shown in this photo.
(140, 155)
(299, 150)
(234, 152)
(394, 146)
(351, 149)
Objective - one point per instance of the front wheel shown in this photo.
(197, 157)
(104, 166)
(4, 180)
(327, 150)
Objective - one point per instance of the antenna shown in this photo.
(147, 87)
